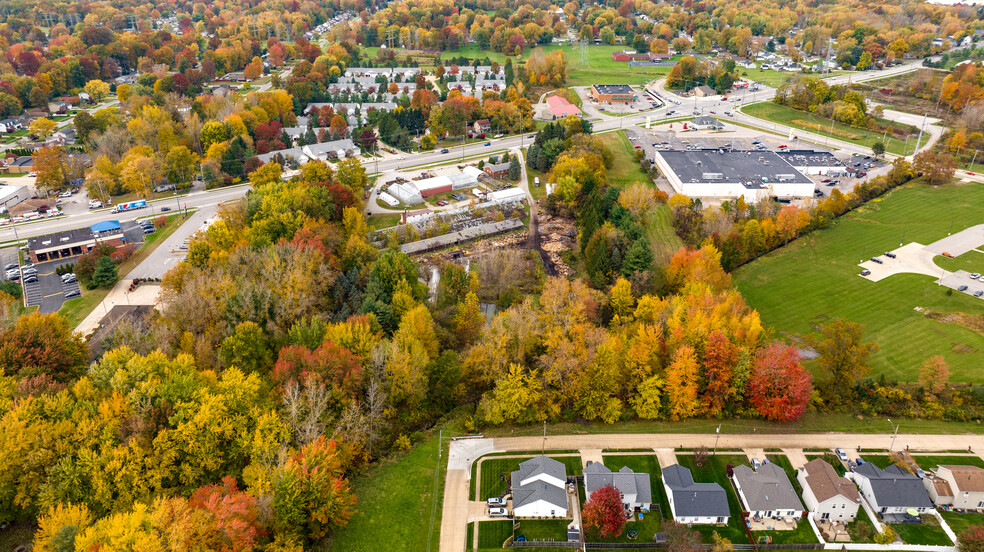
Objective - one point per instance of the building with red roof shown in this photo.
(561, 107)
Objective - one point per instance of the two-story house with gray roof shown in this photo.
(692, 502)
(767, 492)
(635, 488)
(539, 488)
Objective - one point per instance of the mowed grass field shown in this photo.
(803, 120)
(815, 279)
(625, 170)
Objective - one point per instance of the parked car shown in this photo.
(14, 276)
(756, 464)
(865, 272)
(498, 512)
(890, 255)
(149, 230)
(841, 454)
(962, 288)
(975, 275)
(877, 260)
(73, 294)
(978, 293)
(31, 279)
(10, 266)
(488, 143)
(947, 254)
(496, 501)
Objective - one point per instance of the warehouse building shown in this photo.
(12, 195)
(613, 93)
(730, 174)
(813, 162)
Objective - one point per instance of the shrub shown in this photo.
(122, 254)
(160, 222)
(11, 288)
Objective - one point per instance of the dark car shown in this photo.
(890, 255)
(149, 230)
(165, 209)
(445, 150)
(10, 266)
(962, 288)
(877, 260)
(978, 293)
(865, 272)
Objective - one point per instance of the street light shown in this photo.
(893, 436)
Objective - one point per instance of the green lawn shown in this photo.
(625, 170)
(396, 503)
(643, 463)
(861, 529)
(715, 471)
(803, 534)
(491, 534)
(815, 279)
(645, 529)
(926, 462)
(959, 522)
(377, 221)
(929, 532)
(543, 529)
(496, 473)
(971, 261)
(786, 115)
(661, 235)
(538, 192)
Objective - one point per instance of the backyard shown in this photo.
(496, 473)
(818, 273)
(928, 532)
(715, 471)
(806, 121)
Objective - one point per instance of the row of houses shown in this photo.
(765, 492)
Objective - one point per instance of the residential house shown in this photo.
(539, 488)
(767, 492)
(967, 485)
(692, 502)
(827, 495)
(11, 125)
(497, 170)
(706, 123)
(224, 90)
(635, 488)
(85, 98)
(892, 491)
(939, 490)
(482, 126)
(58, 108)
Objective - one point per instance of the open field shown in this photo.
(625, 170)
(662, 237)
(960, 521)
(803, 120)
(715, 471)
(815, 279)
(396, 500)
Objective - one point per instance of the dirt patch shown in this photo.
(971, 322)
(556, 235)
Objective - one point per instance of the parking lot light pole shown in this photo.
(893, 436)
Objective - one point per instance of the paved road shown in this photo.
(462, 453)
(169, 253)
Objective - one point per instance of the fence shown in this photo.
(655, 545)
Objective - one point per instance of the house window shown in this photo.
(825, 515)
(720, 520)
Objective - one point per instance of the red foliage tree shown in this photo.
(43, 345)
(971, 539)
(720, 357)
(233, 518)
(329, 364)
(779, 387)
(604, 513)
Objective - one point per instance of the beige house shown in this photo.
(827, 496)
(966, 484)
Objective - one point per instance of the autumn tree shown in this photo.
(843, 355)
(42, 344)
(247, 349)
(681, 538)
(681, 383)
(49, 163)
(42, 127)
(780, 386)
(935, 374)
(936, 168)
(97, 89)
(603, 513)
(58, 528)
(971, 539)
(351, 173)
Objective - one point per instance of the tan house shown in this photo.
(827, 496)
(966, 484)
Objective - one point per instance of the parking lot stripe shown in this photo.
(53, 294)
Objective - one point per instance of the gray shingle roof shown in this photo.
(894, 487)
(539, 490)
(694, 499)
(766, 489)
(597, 475)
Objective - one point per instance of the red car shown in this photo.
(783, 146)
(638, 147)
(825, 180)
(970, 173)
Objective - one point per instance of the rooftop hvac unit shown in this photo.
(785, 177)
(65, 239)
(47, 242)
(713, 176)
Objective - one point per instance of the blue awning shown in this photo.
(106, 226)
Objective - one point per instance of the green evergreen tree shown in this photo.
(639, 257)
(106, 273)
(515, 170)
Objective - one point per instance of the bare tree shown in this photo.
(305, 406)
(375, 405)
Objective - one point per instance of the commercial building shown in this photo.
(11, 195)
(813, 162)
(71, 243)
(613, 93)
(731, 174)
(706, 123)
(560, 107)
(703, 91)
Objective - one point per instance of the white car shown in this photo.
(498, 512)
(66, 194)
(32, 174)
(841, 454)
(496, 501)
(95, 204)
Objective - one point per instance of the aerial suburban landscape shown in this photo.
(472, 275)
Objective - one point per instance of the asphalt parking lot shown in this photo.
(49, 291)
(962, 278)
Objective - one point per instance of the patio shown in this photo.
(772, 524)
(834, 531)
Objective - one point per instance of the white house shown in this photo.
(636, 490)
(826, 495)
(967, 484)
(703, 503)
(892, 490)
(767, 492)
(539, 488)
(706, 123)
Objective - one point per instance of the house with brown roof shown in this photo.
(939, 490)
(826, 495)
(482, 126)
(966, 484)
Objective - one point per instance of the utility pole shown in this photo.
(919, 139)
(893, 436)
(716, 439)
(544, 448)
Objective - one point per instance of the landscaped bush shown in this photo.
(160, 222)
